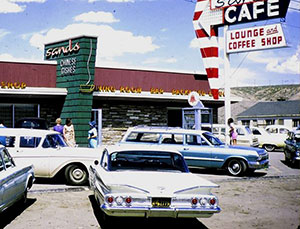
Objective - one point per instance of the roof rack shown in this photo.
(156, 127)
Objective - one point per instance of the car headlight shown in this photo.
(297, 153)
(259, 157)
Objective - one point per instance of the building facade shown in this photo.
(72, 87)
(285, 113)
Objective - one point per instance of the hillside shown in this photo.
(252, 95)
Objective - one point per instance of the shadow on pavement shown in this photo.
(139, 223)
(14, 211)
(220, 172)
(290, 165)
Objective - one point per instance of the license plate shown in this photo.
(161, 202)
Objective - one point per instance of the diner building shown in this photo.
(77, 89)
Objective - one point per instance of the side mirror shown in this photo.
(96, 162)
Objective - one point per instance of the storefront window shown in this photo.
(10, 113)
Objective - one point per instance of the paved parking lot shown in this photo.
(267, 199)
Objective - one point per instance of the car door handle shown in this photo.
(186, 148)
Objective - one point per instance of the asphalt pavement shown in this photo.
(277, 168)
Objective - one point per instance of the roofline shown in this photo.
(269, 116)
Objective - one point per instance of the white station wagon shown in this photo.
(49, 154)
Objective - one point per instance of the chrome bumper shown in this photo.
(263, 164)
(160, 212)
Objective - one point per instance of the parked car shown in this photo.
(140, 182)
(278, 130)
(32, 123)
(199, 148)
(15, 180)
(266, 140)
(245, 136)
(49, 154)
(292, 148)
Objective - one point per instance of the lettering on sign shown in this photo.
(256, 11)
(57, 51)
(14, 85)
(68, 66)
(126, 89)
(130, 90)
(256, 38)
(217, 4)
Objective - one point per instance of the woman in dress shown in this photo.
(232, 132)
(69, 133)
(92, 135)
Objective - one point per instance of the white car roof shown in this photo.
(277, 126)
(117, 148)
(24, 131)
(164, 130)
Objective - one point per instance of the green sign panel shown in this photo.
(75, 71)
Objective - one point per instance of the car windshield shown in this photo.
(54, 141)
(212, 139)
(147, 160)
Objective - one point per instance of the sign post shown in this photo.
(227, 81)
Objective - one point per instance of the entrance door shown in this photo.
(97, 117)
(174, 117)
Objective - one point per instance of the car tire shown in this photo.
(236, 167)
(76, 175)
(269, 148)
(286, 159)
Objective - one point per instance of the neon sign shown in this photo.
(57, 51)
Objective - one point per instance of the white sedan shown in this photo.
(268, 141)
(15, 180)
(136, 182)
(49, 154)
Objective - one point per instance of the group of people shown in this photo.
(68, 132)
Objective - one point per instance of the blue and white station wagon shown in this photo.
(199, 148)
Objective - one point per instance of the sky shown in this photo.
(142, 34)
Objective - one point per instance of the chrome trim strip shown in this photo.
(203, 159)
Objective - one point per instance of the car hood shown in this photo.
(160, 183)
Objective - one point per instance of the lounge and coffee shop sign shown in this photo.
(255, 38)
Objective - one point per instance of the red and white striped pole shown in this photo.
(209, 48)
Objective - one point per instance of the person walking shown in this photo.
(69, 133)
(58, 127)
(92, 135)
(232, 132)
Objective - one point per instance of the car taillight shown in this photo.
(194, 201)
(128, 200)
(212, 201)
(110, 199)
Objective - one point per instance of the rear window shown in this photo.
(8, 141)
(147, 160)
(29, 141)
